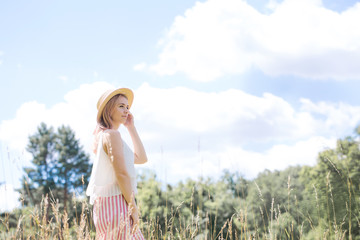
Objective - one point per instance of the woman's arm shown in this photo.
(139, 150)
(113, 146)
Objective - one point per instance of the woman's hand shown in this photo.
(135, 220)
(139, 151)
(129, 121)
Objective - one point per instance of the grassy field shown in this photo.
(48, 222)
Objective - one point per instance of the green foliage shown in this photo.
(274, 198)
(308, 202)
(35, 222)
(37, 181)
(336, 180)
(296, 203)
(192, 208)
(60, 167)
(72, 166)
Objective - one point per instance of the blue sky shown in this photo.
(241, 85)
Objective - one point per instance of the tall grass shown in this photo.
(37, 223)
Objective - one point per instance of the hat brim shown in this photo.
(104, 99)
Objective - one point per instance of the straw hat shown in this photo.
(103, 100)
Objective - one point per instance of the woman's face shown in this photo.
(121, 110)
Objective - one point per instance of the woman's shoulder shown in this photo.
(111, 135)
(111, 132)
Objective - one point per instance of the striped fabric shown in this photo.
(112, 219)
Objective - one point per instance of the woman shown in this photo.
(112, 183)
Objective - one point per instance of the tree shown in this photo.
(336, 180)
(38, 180)
(275, 196)
(72, 168)
(193, 208)
(60, 166)
(237, 183)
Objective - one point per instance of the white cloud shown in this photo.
(9, 198)
(338, 116)
(278, 157)
(272, 5)
(200, 133)
(172, 166)
(77, 110)
(234, 115)
(221, 37)
(177, 120)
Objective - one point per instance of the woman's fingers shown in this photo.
(134, 222)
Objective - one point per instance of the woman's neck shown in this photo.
(115, 126)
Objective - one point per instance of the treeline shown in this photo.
(300, 202)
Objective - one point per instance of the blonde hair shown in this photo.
(105, 121)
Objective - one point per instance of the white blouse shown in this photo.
(103, 181)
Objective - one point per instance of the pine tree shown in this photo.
(60, 167)
(72, 168)
(38, 180)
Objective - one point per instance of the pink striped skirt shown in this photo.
(112, 220)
